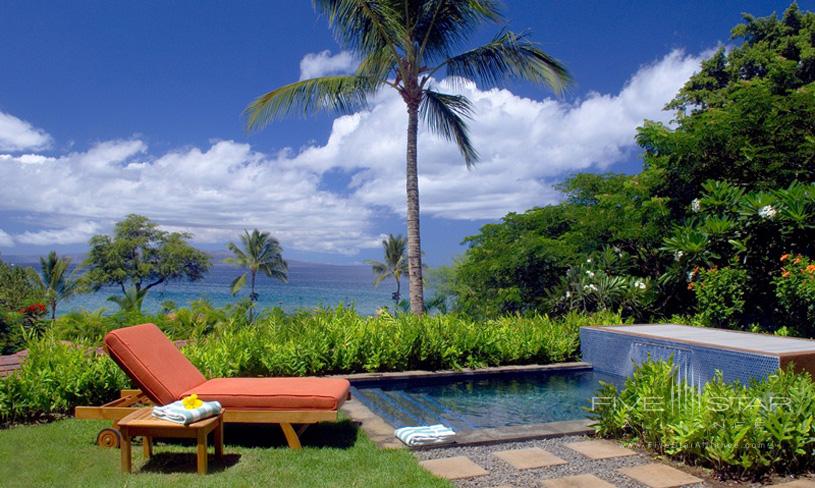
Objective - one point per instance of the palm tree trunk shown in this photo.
(416, 289)
(252, 299)
(398, 296)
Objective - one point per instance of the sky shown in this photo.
(116, 107)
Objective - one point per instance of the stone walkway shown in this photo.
(567, 462)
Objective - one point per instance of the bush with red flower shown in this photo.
(795, 289)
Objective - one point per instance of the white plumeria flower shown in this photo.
(767, 212)
(568, 294)
(588, 260)
(590, 273)
(591, 287)
(678, 255)
(640, 284)
(696, 205)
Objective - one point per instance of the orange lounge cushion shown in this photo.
(275, 393)
(153, 362)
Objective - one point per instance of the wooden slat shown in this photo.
(278, 416)
(103, 413)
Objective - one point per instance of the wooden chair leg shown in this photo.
(202, 452)
(219, 440)
(148, 446)
(125, 451)
(291, 436)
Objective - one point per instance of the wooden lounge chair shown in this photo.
(164, 375)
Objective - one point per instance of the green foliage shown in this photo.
(261, 252)
(54, 280)
(743, 234)
(334, 341)
(739, 431)
(140, 256)
(55, 377)
(602, 283)
(795, 289)
(520, 263)
(395, 264)
(747, 117)
(720, 296)
(16, 293)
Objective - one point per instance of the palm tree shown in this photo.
(131, 301)
(261, 252)
(395, 264)
(403, 44)
(54, 280)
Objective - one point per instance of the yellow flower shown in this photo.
(191, 402)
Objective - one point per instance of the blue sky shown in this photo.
(110, 107)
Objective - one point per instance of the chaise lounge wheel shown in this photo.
(108, 438)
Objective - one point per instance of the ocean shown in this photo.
(310, 285)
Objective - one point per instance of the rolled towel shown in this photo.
(426, 435)
(178, 413)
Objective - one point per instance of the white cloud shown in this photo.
(525, 144)
(214, 193)
(77, 233)
(5, 239)
(324, 63)
(217, 191)
(19, 135)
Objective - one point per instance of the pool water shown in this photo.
(468, 403)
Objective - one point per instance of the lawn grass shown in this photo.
(64, 453)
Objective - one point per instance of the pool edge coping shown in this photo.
(380, 431)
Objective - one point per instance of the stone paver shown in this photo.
(600, 449)
(659, 476)
(579, 481)
(454, 468)
(797, 484)
(533, 457)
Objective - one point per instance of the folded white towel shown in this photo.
(178, 413)
(426, 435)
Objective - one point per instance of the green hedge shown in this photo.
(55, 377)
(339, 340)
(740, 431)
(58, 376)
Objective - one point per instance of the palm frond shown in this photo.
(363, 25)
(444, 24)
(343, 94)
(509, 55)
(377, 65)
(444, 115)
(237, 284)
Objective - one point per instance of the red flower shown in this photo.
(785, 257)
(34, 309)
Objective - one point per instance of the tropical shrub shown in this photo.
(55, 377)
(720, 296)
(740, 431)
(17, 294)
(742, 234)
(795, 289)
(334, 341)
(602, 283)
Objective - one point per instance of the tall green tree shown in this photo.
(55, 281)
(406, 45)
(395, 264)
(16, 292)
(261, 252)
(141, 256)
(747, 117)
